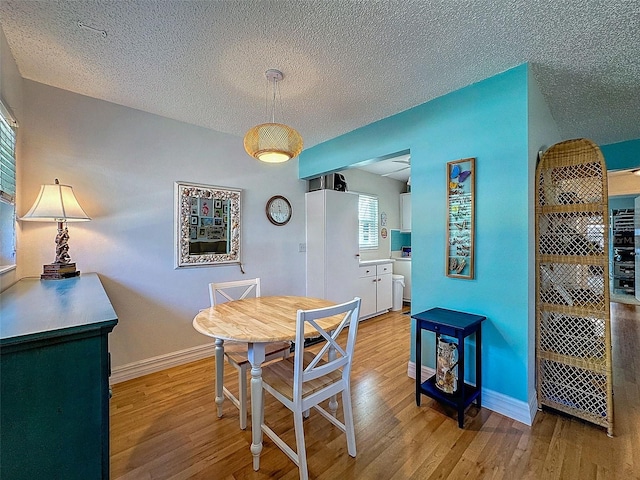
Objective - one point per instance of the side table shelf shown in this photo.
(458, 325)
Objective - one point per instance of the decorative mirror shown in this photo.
(207, 230)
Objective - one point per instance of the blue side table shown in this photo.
(458, 325)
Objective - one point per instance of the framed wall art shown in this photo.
(460, 219)
(207, 225)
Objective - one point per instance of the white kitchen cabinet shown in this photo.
(384, 289)
(367, 283)
(405, 212)
(332, 245)
(375, 289)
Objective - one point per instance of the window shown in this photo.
(367, 221)
(7, 189)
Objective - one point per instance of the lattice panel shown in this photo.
(573, 343)
(572, 285)
(571, 233)
(571, 335)
(572, 184)
(574, 388)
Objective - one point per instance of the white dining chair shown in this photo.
(236, 352)
(303, 381)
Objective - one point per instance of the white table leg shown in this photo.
(219, 374)
(256, 357)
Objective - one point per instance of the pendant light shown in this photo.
(273, 142)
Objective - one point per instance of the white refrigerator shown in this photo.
(332, 244)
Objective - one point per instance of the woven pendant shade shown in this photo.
(272, 142)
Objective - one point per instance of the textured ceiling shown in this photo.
(346, 63)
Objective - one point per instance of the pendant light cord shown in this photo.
(273, 79)
(273, 102)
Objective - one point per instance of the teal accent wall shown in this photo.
(622, 155)
(400, 239)
(489, 121)
(621, 202)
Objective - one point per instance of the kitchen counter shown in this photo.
(368, 263)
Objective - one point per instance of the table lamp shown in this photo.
(57, 203)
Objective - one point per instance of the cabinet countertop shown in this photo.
(45, 308)
(381, 261)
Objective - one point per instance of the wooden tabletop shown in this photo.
(263, 319)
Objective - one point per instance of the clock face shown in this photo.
(279, 210)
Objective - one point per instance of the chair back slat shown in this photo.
(323, 370)
(329, 337)
(233, 290)
(333, 355)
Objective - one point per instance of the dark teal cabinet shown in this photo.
(54, 379)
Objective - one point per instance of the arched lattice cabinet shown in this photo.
(573, 327)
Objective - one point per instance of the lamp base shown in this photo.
(58, 271)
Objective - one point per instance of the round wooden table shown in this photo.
(258, 322)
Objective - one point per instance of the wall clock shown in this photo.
(279, 210)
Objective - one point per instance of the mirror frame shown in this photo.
(183, 192)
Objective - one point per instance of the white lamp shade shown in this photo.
(56, 203)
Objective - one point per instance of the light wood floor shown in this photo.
(164, 425)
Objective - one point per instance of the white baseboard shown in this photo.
(518, 410)
(426, 372)
(161, 362)
(533, 407)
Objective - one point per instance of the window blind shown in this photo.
(7, 156)
(367, 221)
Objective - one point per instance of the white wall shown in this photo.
(623, 183)
(388, 191)
(122, 164)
